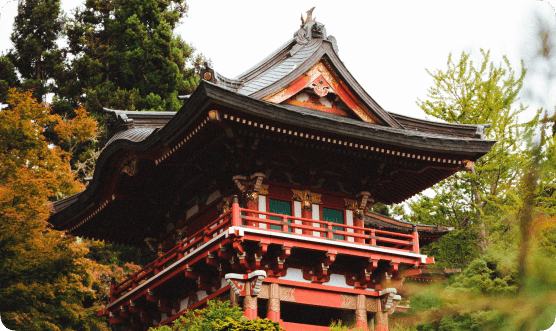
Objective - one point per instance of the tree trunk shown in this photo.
(479, 204)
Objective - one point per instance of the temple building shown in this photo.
(257, 191)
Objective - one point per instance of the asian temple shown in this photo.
(258, 191)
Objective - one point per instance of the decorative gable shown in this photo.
(320, 89)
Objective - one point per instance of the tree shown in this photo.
(476, 203)
(8, 77)
(46, 283)
(37, 27)
(218, 316)
(127, 57)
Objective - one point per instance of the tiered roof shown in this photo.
(302, 88)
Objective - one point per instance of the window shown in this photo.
(334, 216)
(279, 207)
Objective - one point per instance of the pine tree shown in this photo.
(8, 77)
(37, 26)
(127, 57)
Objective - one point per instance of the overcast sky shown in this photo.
(386, 45)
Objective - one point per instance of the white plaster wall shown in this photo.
(201, 295)
(213, 196)
(192, 211)
(349, 221)
(337, 280)
(183, 304)
(262, 207)
(316, 216)
(296, 275)
(297, 213)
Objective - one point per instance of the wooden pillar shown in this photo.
(252, 202)
(236, 220)
(249, 303)
(361, 313)
(234, 298)
(415, 239)
(358, 221)
(273, 312)
(307, 212)
(381, 321)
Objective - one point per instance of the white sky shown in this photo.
(386, 45)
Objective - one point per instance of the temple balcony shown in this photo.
(320, 256)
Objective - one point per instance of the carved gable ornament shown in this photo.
(320, 89)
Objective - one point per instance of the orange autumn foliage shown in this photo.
(46, 283)
(76, 130)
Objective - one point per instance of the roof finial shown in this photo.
(309, 17)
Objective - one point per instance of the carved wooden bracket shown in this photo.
(246, 284)
(260, 252)
(307, 198)
(130, 168)
(225, 205)
(389, 300)
(250, 186)
(467, 165)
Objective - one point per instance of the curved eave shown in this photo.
(375, 220)
(207, 92)
(457, 130)
(344, 126)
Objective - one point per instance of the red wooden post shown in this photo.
(307, 213)
(205, 235)
(415, 239)
(112, 288)
(361, 313)
(381, 318)
(358, 221)
(253, 205)
(284, 224)
(236, 220)
(373, 240)
(273, 308)
(250, 307)
(329, 234)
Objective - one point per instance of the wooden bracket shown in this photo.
(151, 297)
(212, 259)
(393, 269)
(189, 273)
(205, 283)
(238, 247)
(224, 253)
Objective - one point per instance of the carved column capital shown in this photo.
(307, 198)
(251, 186)
(225, 205)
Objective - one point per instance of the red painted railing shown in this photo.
(243, 217)
(185, 247)
(329, 230)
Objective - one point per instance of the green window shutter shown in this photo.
(279, 207)
(334, 216)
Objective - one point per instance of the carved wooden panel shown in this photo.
(265, 291)
(286, 294)
(372, 304)
(348, 301)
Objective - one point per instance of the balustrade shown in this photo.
(239, 217)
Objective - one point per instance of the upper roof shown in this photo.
(292, 62)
